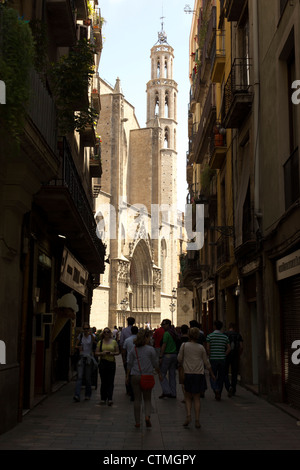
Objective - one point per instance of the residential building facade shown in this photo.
(50, 254)
(253, 262)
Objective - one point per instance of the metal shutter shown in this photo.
(291, 332)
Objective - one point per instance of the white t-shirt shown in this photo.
(87, 345)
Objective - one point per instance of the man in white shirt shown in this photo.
(126, 346)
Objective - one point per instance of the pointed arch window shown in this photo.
(167, 104)
(158, 69)
(166, 69)
(156, 104)
(166, 138)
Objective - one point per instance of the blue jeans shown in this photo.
(168, 365)
(84, 369)
(218, 368)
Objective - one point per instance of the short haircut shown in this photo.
(194, 333)
(218, 324)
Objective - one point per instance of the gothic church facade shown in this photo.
(136, 209)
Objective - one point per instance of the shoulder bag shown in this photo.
(147, 380)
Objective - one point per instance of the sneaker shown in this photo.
(230, 392)
(218, 396)
(76, 398)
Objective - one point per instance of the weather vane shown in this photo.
(162, 37)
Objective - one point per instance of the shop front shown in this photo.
(288, 278)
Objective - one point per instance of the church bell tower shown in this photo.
(162, 112)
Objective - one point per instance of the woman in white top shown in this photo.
(192, 356)
(142, 359)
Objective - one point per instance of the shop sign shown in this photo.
(73, 273)
(288, 266)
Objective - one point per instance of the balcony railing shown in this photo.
(218, 57)
(207, 118)
(238, 93)
(71, 180)
(217, 147)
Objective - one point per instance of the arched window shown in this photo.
(166, 104)
(166, 69)
(166, 138)
(156, 104)
(158, 69)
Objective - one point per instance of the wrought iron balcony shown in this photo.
(95, 161)
(238, 93)
(218, 58)
(218, 146)
(69, 211)
(190, 269)
(208, 118)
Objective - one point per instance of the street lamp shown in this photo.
(173, 303)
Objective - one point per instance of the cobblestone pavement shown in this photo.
(244, 422)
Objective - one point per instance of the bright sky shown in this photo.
(130, 31)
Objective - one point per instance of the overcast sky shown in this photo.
(130, 31)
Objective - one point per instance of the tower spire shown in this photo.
(162, 37)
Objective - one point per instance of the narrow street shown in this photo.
(244, 422)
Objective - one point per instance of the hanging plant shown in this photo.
(71, 76)
(16, 60)
(40, 39)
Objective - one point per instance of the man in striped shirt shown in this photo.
(217, 349)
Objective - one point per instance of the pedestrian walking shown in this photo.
(86, 363)
(142, 360)
(217, 348)
(107, 350)
(127, 346)
(125, 333)
(157, 339)
(192, 356)
(233, 359)
(168, 361)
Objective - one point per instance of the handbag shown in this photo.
(147, 381)
(181, 371)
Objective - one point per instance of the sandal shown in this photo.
(187, 421)
(148, 423)
(197, 424)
